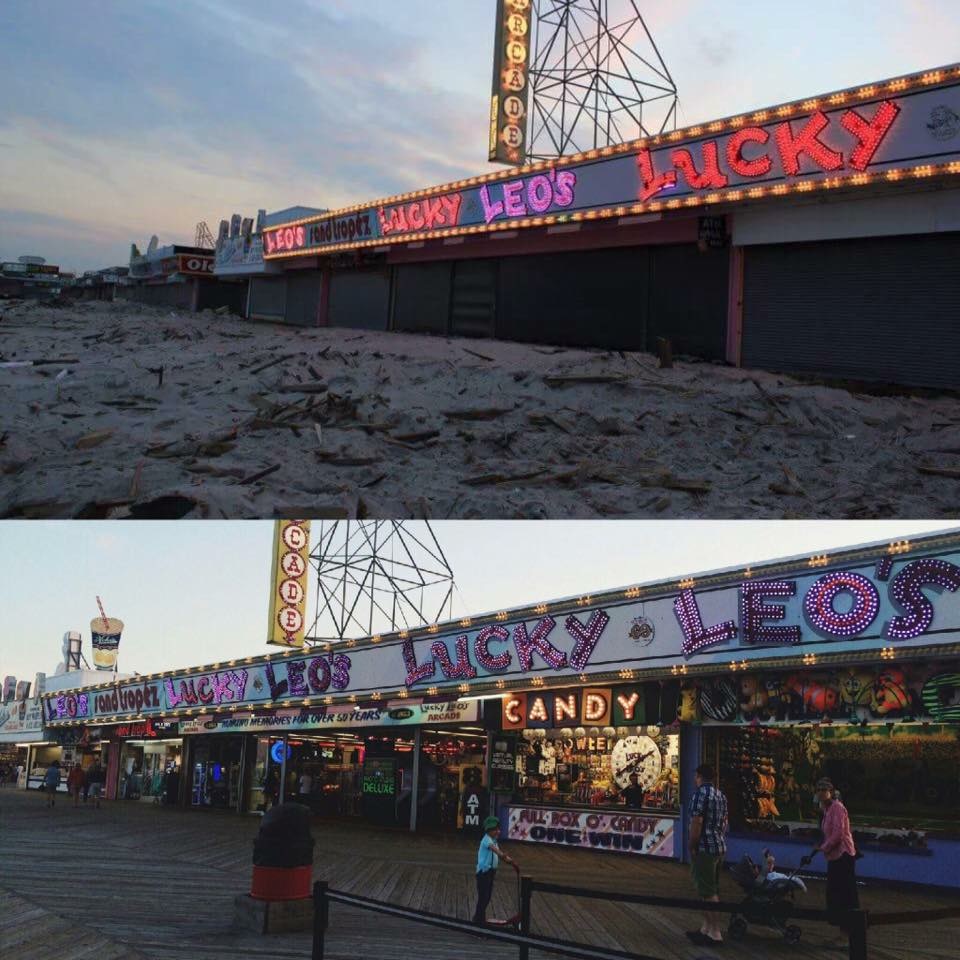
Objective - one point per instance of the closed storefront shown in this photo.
(882, 309)
(421, 297)
(303, 298)
(268, 298)
(688, 299)
(594, 298)
(473, 303)
(360, 298)
(622, 299)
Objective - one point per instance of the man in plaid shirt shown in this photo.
(708, 844)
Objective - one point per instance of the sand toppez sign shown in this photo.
(105, 640)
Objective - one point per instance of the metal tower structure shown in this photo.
(597, 78)
(202, 236)
(377, 576)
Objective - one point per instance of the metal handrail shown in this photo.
(323, 895)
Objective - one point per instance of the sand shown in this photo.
(258, 420)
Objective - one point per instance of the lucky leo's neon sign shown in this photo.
(749, 153)
(820, 609)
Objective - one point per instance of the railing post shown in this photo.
(526, 896)
(857, 920)
(320, 905)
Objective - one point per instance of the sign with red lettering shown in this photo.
(899, 130)
(195, 265)
(648, 834)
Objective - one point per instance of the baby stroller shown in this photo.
(769, 899)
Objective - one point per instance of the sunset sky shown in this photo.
(122, 119)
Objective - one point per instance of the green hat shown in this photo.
(490, 823)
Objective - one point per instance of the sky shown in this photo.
(119, 120)
(195, 592)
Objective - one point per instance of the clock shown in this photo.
(639, 755)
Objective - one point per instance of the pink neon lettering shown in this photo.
(513, 204)
(540, 194)
(566, 184)
(491, 208)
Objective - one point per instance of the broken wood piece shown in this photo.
(482, 356)
(494, 479)
(342, 460)
(420, 437)
(260, 474)
(479, 413)
(569, 379)
(94, 439)
(301, 388)
(952, 472)
(665, 353)
(135, 482)
(272, 363)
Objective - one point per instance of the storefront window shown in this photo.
(626, 767)
(899, 781)
(146, 768)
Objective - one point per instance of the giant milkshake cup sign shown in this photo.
(105, 640)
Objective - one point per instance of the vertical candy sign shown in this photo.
(288, 583)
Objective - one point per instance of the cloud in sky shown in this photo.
(121, 119)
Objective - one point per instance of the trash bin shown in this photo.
(283, 854)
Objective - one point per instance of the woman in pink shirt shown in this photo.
(838, 849)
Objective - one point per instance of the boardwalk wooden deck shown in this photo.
(134, 880)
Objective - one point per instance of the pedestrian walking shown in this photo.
(839, 850)
(488, 859)
(51, 780)
(95, 781)
(707, 833)
(75, 782)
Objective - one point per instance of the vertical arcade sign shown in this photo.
(511, 81)
(288, 583)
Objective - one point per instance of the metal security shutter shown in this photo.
(360, 298)
(594, 298)
(688, 299)
(268, 298)
(474, 301)
(303, 298)
(885, 309)
(421, 297)
(213, 294)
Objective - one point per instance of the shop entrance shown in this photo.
(146, 769)
(216, 772)
(369, 775)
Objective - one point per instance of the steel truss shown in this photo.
(377, 576)
(595, 82)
